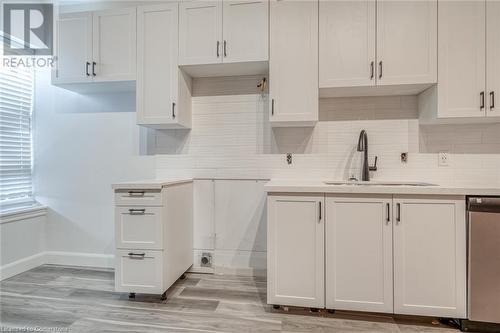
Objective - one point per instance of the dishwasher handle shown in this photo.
(484, 204)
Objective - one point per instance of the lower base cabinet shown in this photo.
(381, 253)
(430, 256)
(359, 253)
(295, 250)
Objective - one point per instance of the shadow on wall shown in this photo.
(460, 139)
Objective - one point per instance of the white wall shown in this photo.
(21, 243)
(83, 144)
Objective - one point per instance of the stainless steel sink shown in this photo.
(376, 183)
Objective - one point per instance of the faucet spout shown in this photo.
(363, 147)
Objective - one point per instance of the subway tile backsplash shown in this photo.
(231, 138)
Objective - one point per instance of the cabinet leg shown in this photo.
(163, 296)
(314, 309)
(276, 307)
(131, 296)
(183, 277)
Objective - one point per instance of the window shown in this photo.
(16, 104)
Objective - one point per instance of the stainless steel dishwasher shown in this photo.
(484, 261)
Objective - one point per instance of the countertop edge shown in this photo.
(153, 184)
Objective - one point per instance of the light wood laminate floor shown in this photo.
(73, 299)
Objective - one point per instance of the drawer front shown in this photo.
(139, 271)
(138, 198)
(138, 228)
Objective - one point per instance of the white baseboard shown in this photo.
(80, 259)
(21, 265)
(56, 258)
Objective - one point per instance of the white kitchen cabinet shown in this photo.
(293, 63)
(216, 32)
(114, 44)
(153, 236)
(462, 59)
(295, 253)
(245, 31)
(200, 32)
(430, 256)
(96, 47)
(163, 91)
(406, 42)
(493, 57)
(359, 253)
(73, 48)
(377, 47)
(347, 43)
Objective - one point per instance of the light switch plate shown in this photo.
(443, 159)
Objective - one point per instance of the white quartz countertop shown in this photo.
(149, 184)
(318, 186)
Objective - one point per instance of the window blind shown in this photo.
(16, 104)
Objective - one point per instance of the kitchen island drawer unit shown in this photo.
(141, 197)
(138, 227)
(153, 235)
(140, 271)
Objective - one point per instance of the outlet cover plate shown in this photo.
(443, 159)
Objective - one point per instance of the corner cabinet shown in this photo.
(96, 47)
(293, 63)
(359, 253)
(163, 90)
(295, 250)
(430, 256)
(216, 32)
(382, 253)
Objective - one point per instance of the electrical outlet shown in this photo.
(443, 159)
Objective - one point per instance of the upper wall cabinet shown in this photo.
(469, 64)
(215, 32)
(96, 46)
(163, 92)
(293, 63)
(378, 43)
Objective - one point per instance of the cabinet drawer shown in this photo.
(138, 227)
(138, 197)
(139, 271)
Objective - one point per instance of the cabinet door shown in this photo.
(493, 57)
(200, 32)
(406, 42)
(245, 31)
(430, 257)
(74, 48)
(461, 58)
(157, 49)
(346, 43)
(359, 253)
(295, 253)
(114, 44)
(293, 62)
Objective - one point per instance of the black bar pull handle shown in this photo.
(380, 66)
(173, 110)
(93, 68)
(87, 64)
(398, 208)
(225, 49)
(481, 106)
(388, 207)
(272, 107)
(218, 44)
(320, 211)
(492, 100)
(372, 70)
